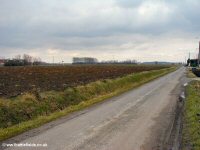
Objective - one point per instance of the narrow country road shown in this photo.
(140, 119)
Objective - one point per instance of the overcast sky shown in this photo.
(145, 30)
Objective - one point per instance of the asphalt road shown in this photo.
(140, 119)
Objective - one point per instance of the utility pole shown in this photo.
(185, 60)
(199, 55)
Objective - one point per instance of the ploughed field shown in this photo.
(18, 80)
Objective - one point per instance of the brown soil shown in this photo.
(17, 80)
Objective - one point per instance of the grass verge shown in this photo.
(190, 74)
(191, 126)
(67, 101)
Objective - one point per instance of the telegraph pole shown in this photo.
(199, 55)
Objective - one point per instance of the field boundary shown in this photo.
(94, 93)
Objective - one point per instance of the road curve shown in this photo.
(136, 120)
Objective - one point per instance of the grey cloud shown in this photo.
(85, 24)
(128, 3)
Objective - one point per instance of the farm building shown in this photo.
(194, 62)
(84, 60)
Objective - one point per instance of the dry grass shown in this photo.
(190, 74)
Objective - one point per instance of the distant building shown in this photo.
(192, 62)
(84, 60)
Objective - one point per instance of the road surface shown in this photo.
(140, 119)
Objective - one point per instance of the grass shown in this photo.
(34, 109)
(191, 126)
(190, 74)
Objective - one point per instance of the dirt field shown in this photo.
(139, 119)
(17, 80)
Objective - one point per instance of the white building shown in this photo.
(84, 60)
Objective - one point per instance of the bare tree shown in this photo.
(23, 60)
(37, 60)
(17, 57)
(27, 59)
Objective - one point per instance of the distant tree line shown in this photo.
(23, 60)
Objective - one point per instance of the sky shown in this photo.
(145, 30)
